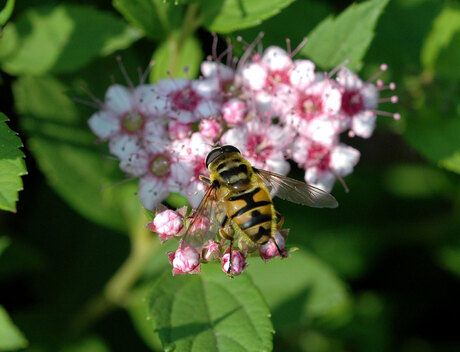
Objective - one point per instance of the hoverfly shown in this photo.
(243, 193)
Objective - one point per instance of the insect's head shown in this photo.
(218, 151)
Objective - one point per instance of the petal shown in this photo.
(254, 76)
(136, 164)
(276, 58)
(122, 146)
(343, 159)
(152, 191)
(118, 99)
(349, 79)
(236, 136)
(150, 101)
(303, 74)
(370, 96)
(213, 69)
(322, 131)
(104, 124)
(321, 179)
(207, 88)
(363, 124)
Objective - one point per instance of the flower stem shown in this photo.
(117, 290)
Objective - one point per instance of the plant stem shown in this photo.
(116, 291)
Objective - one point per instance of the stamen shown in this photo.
(91, 104)
(337, 68)
(249, 50)
(396, 116)
(299, 47)
(124, 72)
(215, 40)
(148, 69)
(341, 181)
(393, 99)
(383, 68)
(92, 96)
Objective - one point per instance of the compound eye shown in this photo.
(230, 149)
(212, 155)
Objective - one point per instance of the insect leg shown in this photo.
(280, 219)
(205, 179)
(227, 236)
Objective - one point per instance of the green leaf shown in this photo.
(12, 166)
(300, 290)
(4, 243)
(441, 49)
(62, 38)
(347, 37)
(6, 12)
(64, 148)
(225, 16)
(86, 344)
(210, 312)
(155, 17)
(449, 258)
(293, 22)
(10, 336)
(174, 56)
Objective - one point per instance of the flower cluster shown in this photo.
(268, 105)
(187, 258)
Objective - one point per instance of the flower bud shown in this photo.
(185, 260)
(234, 111)
(167, 224)
(269, 250)
(211, 251)
(238, 262)
(210, 128)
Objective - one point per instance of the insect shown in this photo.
(244, 194)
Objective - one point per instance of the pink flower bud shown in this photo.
(211, 251)
(238, 262)
(210, 128)
(234, 111)
(269, 250)
(167, 224)
(185, 260)
(200, 225)
(179, 130)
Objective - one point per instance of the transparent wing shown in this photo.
(296, 191)
(200, 229)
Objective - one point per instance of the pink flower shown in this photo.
(188, 101)
(210, 128)
(324, 163)
(238, 262)
(212, 251)
(234, 111)
(186, 260)
(269, 249)
(168, 223)
(262, 143)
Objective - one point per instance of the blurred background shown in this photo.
(384, 267)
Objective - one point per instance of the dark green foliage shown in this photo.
(380, 273)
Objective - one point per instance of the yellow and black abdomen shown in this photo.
(252, 211)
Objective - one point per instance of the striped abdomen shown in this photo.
(252, 211)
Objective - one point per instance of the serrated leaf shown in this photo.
(225, 16)
(155, 17)
(11, 338)
(346, 37)
(293, 22)
(174, 56)
(12, 166)
(64, 149)
(441, 49)
(301, 289)
(62, 38)
(210, 312)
